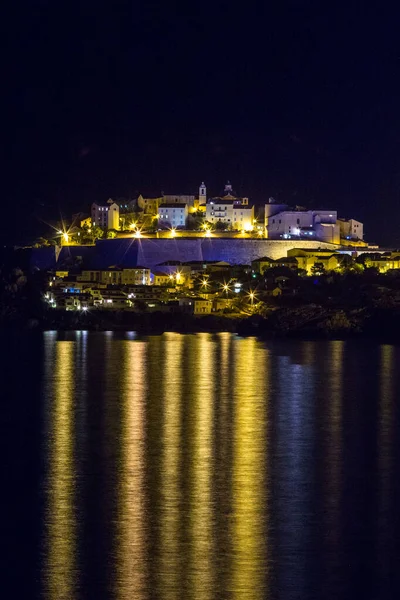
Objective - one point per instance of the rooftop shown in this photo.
(103, 202)
(173, 205)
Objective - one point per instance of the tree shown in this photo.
(318, 269)
(221, 226)
(91, 234)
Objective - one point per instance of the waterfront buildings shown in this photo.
(196, 306)
(115, 276)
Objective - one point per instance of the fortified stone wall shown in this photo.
(244, 251)
(155, 251)
(149, 252)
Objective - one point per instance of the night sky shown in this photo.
(295, 100)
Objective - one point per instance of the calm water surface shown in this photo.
(199, 467)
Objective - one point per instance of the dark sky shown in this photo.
(296, 100)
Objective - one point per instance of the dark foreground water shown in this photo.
(199, 467)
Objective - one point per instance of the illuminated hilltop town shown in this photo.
(198, 254)
(185, 214)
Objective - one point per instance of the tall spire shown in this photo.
(202, 193)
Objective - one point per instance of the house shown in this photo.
(222, 303)
(306, 259)
(289, 262)
(105, 214)
(275, 291)
(162, 278)
(172, 215)
(136, 276)
(196, 306)
(115, 299)
(262, 264)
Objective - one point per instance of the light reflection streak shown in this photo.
(131, 578)
(250, 572)
(60, 520)
(170, 577)
(201, 509)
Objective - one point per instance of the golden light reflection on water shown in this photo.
(60, 564)
(250, 571)
(131, 577)
(170, 509)
(201, 507)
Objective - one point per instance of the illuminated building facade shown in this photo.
(105, 214)
(172, 215)
(231, 210)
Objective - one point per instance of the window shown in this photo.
(280, 221)
(298, 221)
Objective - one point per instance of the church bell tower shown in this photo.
(202, 193)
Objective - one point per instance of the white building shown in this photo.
(172, 215)
(351, 229)
(303, 224)
(233, 213)
(105, 214)
(229, 209)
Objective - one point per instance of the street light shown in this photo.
(251, 296)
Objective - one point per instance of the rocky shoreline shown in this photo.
(303, 322)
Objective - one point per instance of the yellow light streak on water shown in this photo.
(131, 577)
(170, 575)
(60, 519)
(249, 473)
